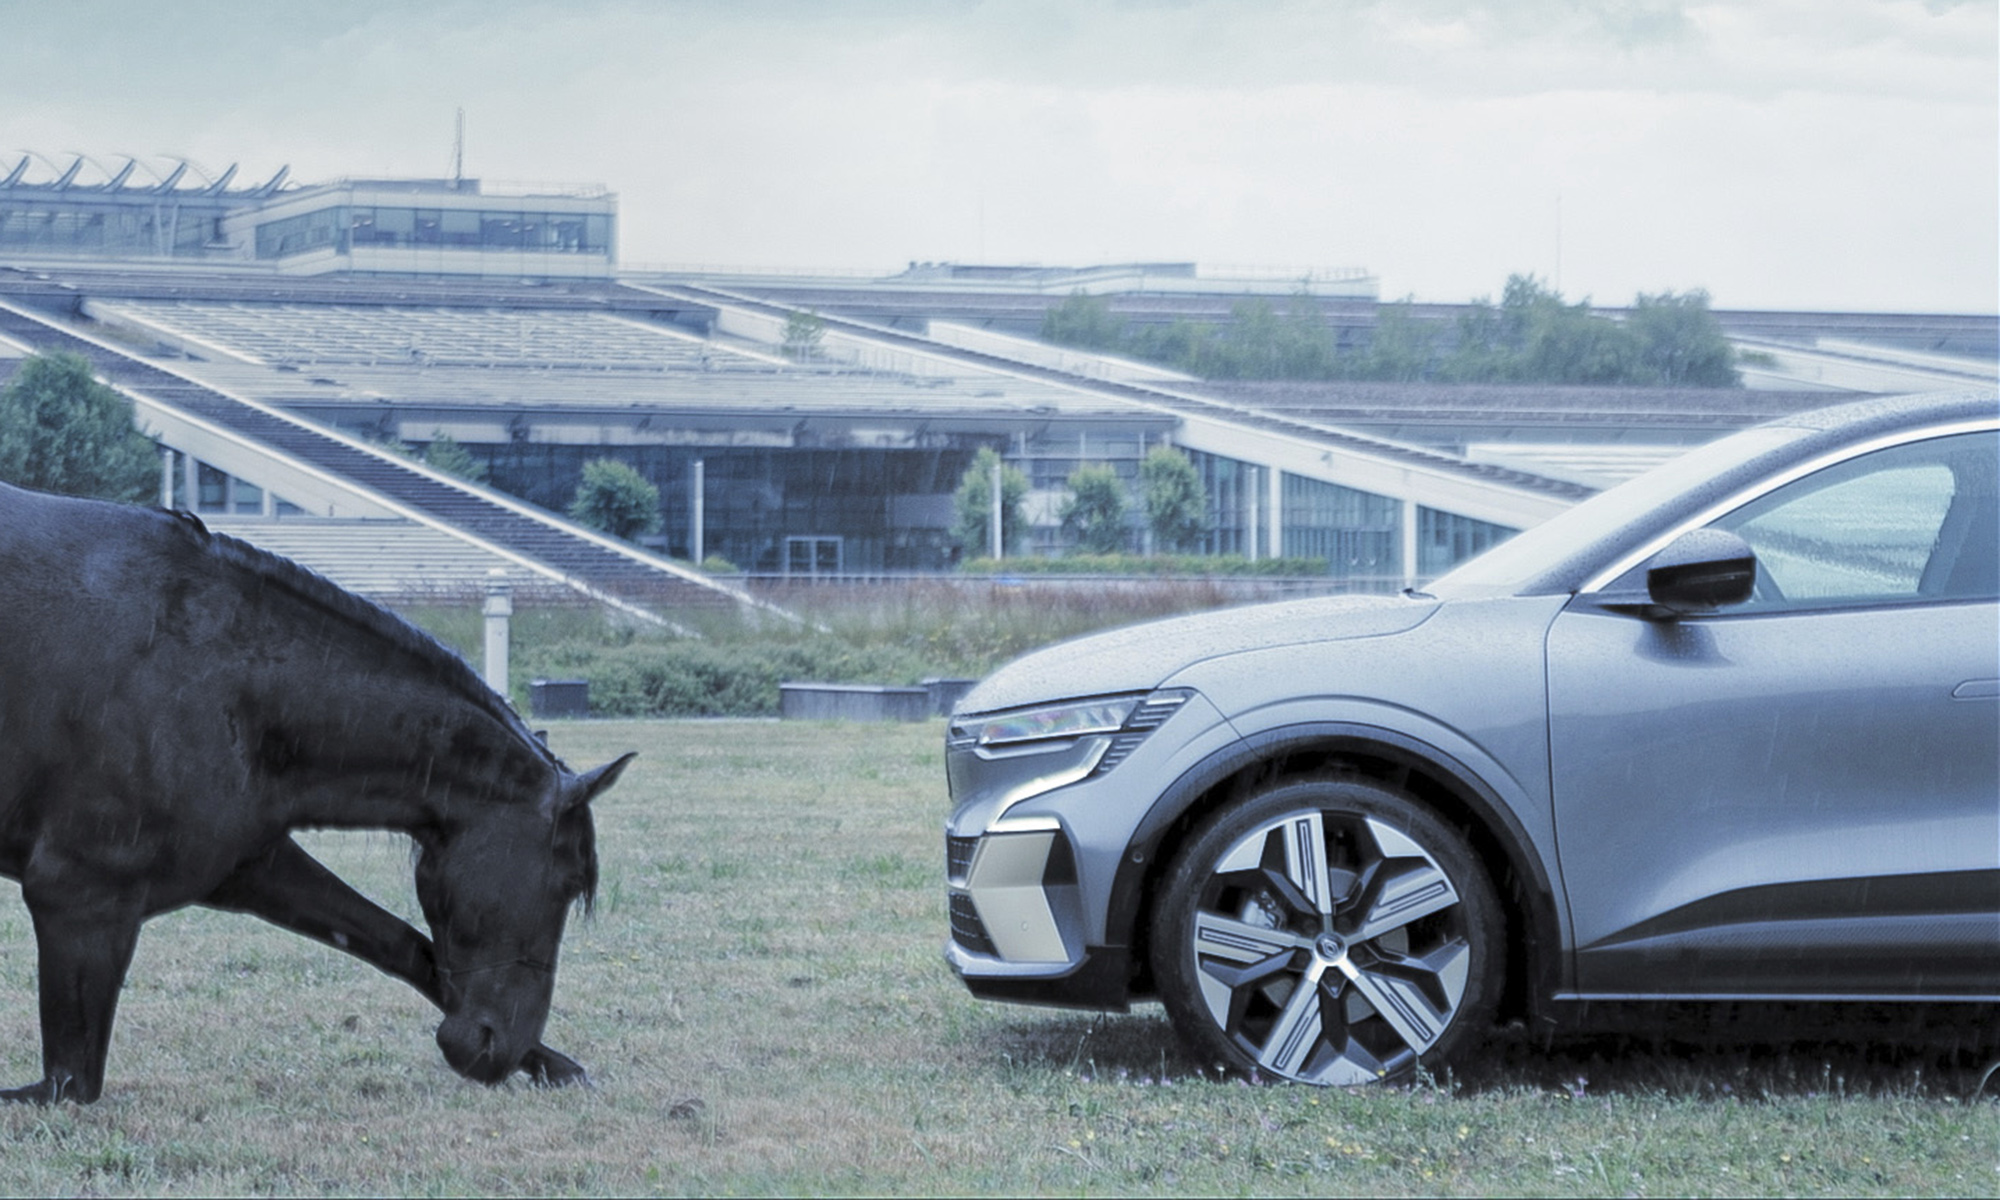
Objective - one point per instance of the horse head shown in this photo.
(496, 888)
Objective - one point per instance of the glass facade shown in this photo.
(1238, 522)
(1445, 540)
(342, 227)
(768, 510)
(319, 230)
(93, 226)
(1358, 533)
(1050, 459)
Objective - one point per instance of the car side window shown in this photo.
(1910, 523)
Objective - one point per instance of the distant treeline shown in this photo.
(1531, 336)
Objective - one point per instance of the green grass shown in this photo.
(761, 1000)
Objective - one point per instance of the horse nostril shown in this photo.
(468, 1045)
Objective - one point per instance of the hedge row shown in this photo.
(1196, 565)
(706, 679)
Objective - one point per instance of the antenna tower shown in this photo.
(458, 152)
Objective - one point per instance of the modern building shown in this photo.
(288, 344)
(85, 212)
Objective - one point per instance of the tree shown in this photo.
(1680, 342)
(63, 431)
(974, 505)
(1534, 337)
(1401, 347)
(1094, 514)
(1084, 321)
(1176, 503)
(448, 456)
(615, 499)
(804, 331)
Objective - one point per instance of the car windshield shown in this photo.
(1517, 564)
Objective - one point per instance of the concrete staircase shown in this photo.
(570, 551)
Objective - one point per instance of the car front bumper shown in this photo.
(1035, 837)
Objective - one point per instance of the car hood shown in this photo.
(1140, 657)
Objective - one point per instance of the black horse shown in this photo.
(173, 703)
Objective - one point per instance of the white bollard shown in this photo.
(499, 607)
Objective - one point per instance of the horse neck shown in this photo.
(392, 743)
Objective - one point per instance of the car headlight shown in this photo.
(1050, 722)
(1018, 753)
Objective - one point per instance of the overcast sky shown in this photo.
(1827, 154)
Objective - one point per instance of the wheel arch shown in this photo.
(1430, 776)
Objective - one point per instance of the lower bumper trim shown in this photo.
(1100, 980)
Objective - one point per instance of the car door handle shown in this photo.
(1977, 689)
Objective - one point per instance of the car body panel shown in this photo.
(1138, 657)
(1786, 761)
(1743, 803)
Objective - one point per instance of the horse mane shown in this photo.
(316, 590)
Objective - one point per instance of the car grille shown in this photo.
(966, 928)
(958, 853)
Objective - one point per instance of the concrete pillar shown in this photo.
(996, 531)
(1249, 486)
(1276, 512)
(191, 475)
(499, 608)
(699, 498)
(1409, 535)
(167, 479)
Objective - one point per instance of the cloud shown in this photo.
(1798, 152)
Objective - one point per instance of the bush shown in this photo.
(62, 431)
(615, 499)
(448, 456)
(1094, 514)
(1149, 564)
(973, 505)
(710, 679)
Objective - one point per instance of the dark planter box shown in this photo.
(946, 693)
(559, 698)
(852, 702)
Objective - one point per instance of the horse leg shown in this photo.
(84, 952)
(291, 889)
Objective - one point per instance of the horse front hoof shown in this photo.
(48, 1091)
(546, 1068)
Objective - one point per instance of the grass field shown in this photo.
(761, 1000)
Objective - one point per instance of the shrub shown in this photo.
(1149, 564)
(62, 431)
(708, 679)
(448, 456)
(1172, 494)
(615, 499)
(973, 505)
(1094, 514)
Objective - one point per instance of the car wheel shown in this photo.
(1327, 931)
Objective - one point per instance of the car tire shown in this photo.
(1328, 930)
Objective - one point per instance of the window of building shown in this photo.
(1445, 540)
(1358, 533)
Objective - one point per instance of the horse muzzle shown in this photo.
(478, 1050)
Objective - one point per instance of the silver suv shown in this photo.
(1727, 731)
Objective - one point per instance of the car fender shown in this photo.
(1467, 772)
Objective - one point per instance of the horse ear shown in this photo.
(585, 787)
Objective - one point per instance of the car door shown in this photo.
(1797, 796)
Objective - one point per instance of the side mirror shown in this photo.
(1700, 571)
